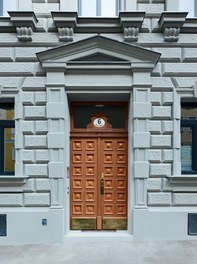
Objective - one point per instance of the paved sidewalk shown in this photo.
(131, 252)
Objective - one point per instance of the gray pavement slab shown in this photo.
(120, 252)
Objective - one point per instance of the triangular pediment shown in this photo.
(98, 48)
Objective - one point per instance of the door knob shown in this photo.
(102, 183)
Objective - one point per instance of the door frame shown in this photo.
(114, 133)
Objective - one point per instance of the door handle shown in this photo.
(102, 183)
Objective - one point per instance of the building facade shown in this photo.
(98, 120)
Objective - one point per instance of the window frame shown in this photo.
(5, 124)
(193, 125)
(98, 8)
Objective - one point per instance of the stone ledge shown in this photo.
(12, 180)
(183, 179)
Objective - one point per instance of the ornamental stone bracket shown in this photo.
(25, 23)
(65, 23)
(171, 23)
(131, 22)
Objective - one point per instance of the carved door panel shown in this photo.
(98, 183)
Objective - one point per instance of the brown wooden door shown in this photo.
(98, 183)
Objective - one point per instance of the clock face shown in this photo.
(99, 122)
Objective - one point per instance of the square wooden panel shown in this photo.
(108, 209)
(77, 183)
(121, 210)
(108, 158)
(121, 158)
(108, 196)
(108, 171)
(108, 145)
(90, 145)
(121, 145)
(121, 171)
(121, 196)
(90, 196)
(121, 184)
(108, 184)
(77, 158)
(90, 171)
(77, 196)
(77, 145)
(90, 209)
(90, 184)
(90, 158)
(77, 171)
(77, 209)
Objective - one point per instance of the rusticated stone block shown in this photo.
(55, 140)
(40, 97)
(162, 82)
(167, 155)
(16, 69)
(11, 200)
(141, 110)
(28, 156)
(141, 169)
(167, 98)
(185, 199)
(141, 140)
(154, 185)
(154, 155)
(41, 127)
(158, 141)
(42, 155)
(161, 112)
(27, 127)
(29, 185)
(36, 170)
(28, 98)
(160, 169)
(35, 141)
(179, 69)
(169, 54)
(27, 54)
(6, 54)
(155, 126)
(43, 185)
(189, 55)
(151, 8)
(35, 111)
(167, 127)
(37, 199)
(159, 199)
(155, 98)
(34, 83)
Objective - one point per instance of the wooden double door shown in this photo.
(99, 183)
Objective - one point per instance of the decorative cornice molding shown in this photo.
(171, 24)
(24, 33)
(25, 23)
(131, 23)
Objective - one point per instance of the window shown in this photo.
(189, 138)
(93, 8)
(189, 6)
(7, 5)
(7, 134)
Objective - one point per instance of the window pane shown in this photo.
(9, 153)
(189, 113)
(108, 8)
(6, 114)
(186, 149)
(88, 8)
(115, 115)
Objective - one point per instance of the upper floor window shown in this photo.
(7, 134)
(7, 5)
(93, 8)
(189, 6)
(189, 138)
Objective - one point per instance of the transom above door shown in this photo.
(98, 167)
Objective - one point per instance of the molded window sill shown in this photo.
(183, 179)
(12, 180)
